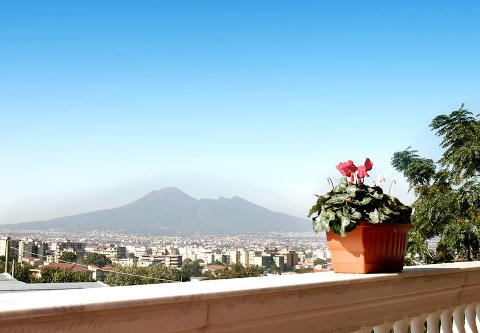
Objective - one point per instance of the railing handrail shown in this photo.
(333, 302)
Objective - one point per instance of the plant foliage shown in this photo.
(234, 271)
(447, 206)
(57, 275)
(345, 205)
(96, 259)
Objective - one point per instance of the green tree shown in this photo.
(68, 257)
(57, 275)
(21, 272)
(234, 271)
(319, 261)
(191, 268)
(156, 273)
(96, 259)
(447, 192)
(303, 270)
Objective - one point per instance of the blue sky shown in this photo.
(101, 103)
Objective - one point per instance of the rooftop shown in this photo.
(9, 285)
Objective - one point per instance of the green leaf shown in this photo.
(374, 216)
(352, 190)
(365, 201)
(338, 198)
(356, 215)
(345, 222)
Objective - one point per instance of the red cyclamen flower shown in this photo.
(347, 169)
(362, 170)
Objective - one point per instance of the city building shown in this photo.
(58, 248)
(290, 257)
(234, 257)
(113, 251)
(26, 249)
(264, 261)
(279, 260)
(10, 245)
(167, 260)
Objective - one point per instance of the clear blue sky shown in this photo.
(104, 101)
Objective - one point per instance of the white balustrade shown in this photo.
(477, 316)
(445, 298)
(459, 320)
(470, 325)
(381, 329)
(446, 321)
(433, 323)
(462, 319)
(401, 326)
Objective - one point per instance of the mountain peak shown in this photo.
(167, 193)
(169, 190)
(171, 211)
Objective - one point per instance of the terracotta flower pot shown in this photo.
(369, 248)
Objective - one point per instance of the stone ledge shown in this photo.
(312, 302)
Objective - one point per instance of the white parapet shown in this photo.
(421, 296)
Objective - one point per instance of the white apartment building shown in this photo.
(58, 248)
(26, 249)
(113, 251)
(208, 256)
(167, 260)
(126, 262)
(234, 256)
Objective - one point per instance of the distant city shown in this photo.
(288, 251)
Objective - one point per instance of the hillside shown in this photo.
(171, 211)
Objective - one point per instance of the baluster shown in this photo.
(417, 324)
(477, 317)
(459, 319)
(470, 326)
(400, 326)
(433, 321)
(446, 321)
(363, 330)
(382, 329)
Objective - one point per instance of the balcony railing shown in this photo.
(444, 298)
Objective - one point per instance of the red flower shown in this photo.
(362, 170)
(347, 169)
(368, 164)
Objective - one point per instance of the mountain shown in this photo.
(171, 211)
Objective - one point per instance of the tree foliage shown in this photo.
(448, 192)
(68, 257)
(191, 268)
(319, 261)
(234, 271)
(97, 259)
(156, 273)
(21, 272)
(303, 270)
(460, 132)
(57, 275)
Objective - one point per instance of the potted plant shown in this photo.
(366, 229)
